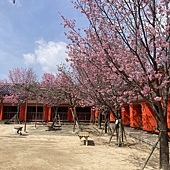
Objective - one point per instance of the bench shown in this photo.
(53, 127)
(18, 129)
(84, 135)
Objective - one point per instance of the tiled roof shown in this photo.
(5, 89)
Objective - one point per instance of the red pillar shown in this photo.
(168, 116)
(22, 112)
(125, 115)
(1, 112)
(135, 115)
(96, 113)
(47, 114)
(70, 116)
(112, 118)
(148, 119)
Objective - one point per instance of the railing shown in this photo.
(63, 116)
(31, 116)
(8, 115)
(83, 116)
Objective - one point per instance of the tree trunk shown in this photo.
(105, 127)
(106, 122)
(92, 118)
(36, 113)
(99, 120)
(76, 121)
(18, 111)
(164, 147)
(74, 125)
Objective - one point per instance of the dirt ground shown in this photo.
(39, 149)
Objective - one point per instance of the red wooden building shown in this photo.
(136, 115)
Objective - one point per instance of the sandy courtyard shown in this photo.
(39, 149)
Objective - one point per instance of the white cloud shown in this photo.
(47, 55)
(29, 58)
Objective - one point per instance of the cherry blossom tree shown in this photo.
(50, 94)
(61, 88)
(132, 39)
(68, 85)
(21, 81)
(105, 91)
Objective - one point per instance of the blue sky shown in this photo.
(31, 34)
